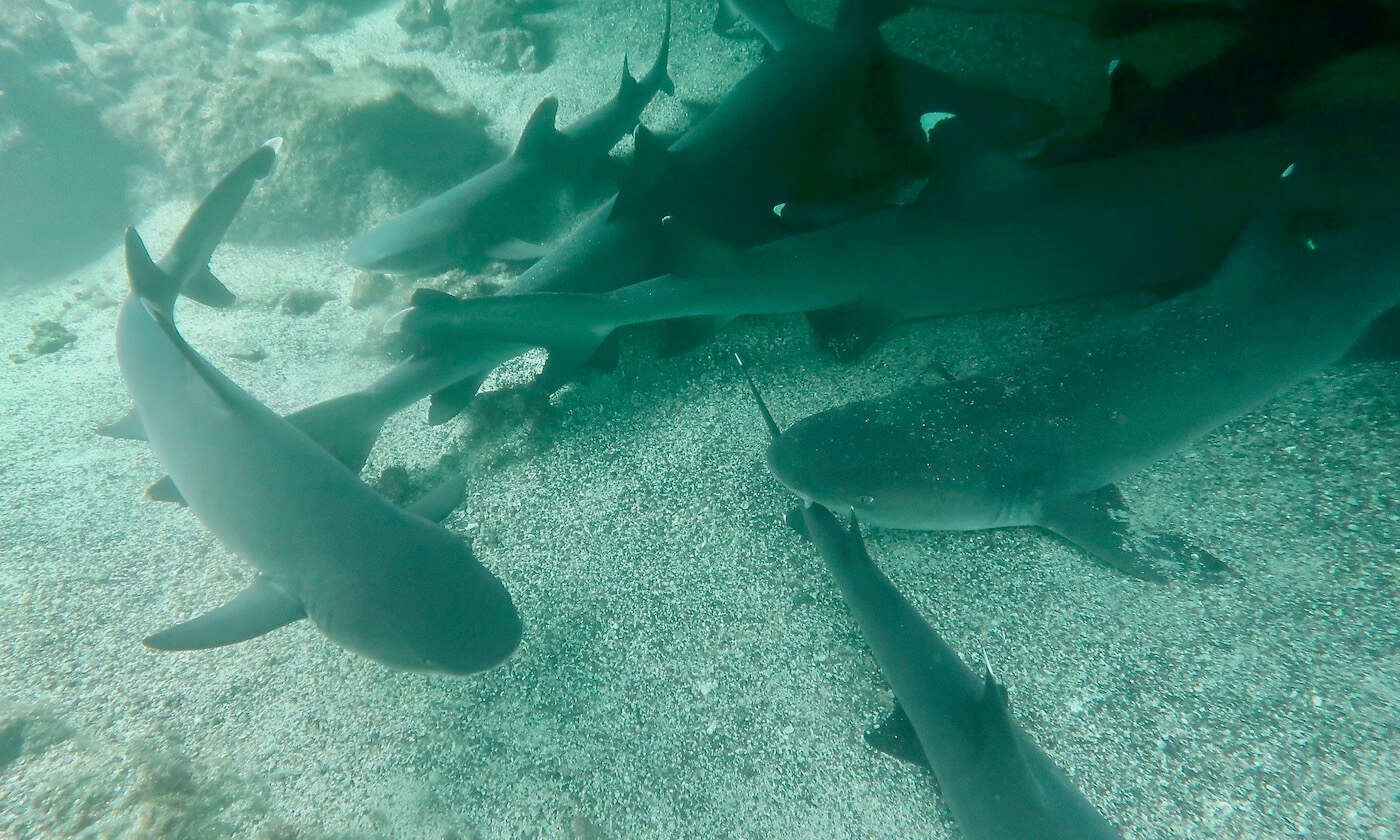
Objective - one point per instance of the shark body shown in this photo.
(504, 211)
(389, 584)
(1041, 441)
(1160, 219)
(996, 780)
(755, 149)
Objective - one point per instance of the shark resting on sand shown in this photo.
(1041, 441)
(995, 779)
(389, 584)
(504, 212)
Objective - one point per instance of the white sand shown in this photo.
(688, 670)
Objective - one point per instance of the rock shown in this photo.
(418, 16)
(495, 32)
(369, 289)
(50, 337)
(507, 50)
(303, 302)
(359, 142)
(54, 150)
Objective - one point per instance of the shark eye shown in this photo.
(865, 501)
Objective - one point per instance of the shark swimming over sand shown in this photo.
(995, 779)
(756, 148)
(507, 211)
(1041, 441)
(390, 584)
(1009, 236)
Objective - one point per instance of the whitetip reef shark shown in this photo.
(995, 779)
(1005, 236)
(505, 211)
(1041, 441)
(724, 174)
(389, 584)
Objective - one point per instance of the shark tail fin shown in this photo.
(261, 608)
(658, 77)
(540, 135)
(203, 287)
(188, 258)
(156, 289)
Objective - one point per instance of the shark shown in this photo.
(757, 147)
(506, 211)
(996, 780)
(387, 583)
(1040, 441)
(1283, 43)
(1004, 236)
(1104, 18)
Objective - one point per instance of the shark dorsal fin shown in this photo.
(1129, 92)
(540, 137)
(155, 288)
(636, 195)
(958, 163)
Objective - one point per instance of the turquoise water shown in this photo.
(688, 669)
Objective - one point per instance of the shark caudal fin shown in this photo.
(187, 261)
(658, 78)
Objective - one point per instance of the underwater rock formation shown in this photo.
(61, 172)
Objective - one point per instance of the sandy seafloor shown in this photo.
(688, 669)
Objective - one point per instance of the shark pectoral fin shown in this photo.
(262, 607)
(517, 250)
(439, 503)
(164, 490)
(1095, 522)
(449, 402)
(205, 288)
(130, 427)
(848, 330)
(346, 426)
(895, 737)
